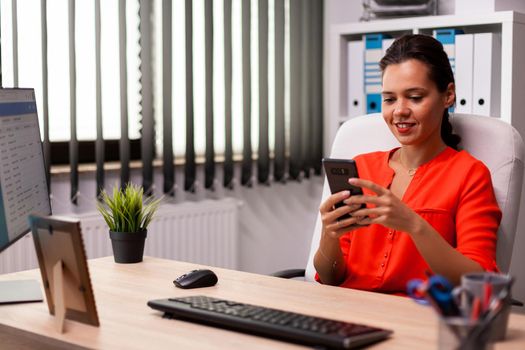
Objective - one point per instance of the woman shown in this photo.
(430, 207)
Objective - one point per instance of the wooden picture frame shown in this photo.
(63, 265)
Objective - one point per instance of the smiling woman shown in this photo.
(418, 217)
(412, 109)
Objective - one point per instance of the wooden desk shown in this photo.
(122, 290)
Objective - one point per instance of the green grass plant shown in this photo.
(126, 210)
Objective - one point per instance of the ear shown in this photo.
(450, 95)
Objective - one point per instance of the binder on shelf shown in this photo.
(372, 73)
(486, 74)
(387, 42)
(447, 37)
(356, 91)
(464, 72)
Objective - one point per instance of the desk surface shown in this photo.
(122, 291)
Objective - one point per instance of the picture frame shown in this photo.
(63, 266)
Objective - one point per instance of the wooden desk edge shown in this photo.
(16, 338)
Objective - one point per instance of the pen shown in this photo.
(487, 318)
(487, 294)
(476, 309)
(495, 304)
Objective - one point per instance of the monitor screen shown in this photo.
(23, 183)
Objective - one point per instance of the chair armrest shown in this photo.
(290, 273)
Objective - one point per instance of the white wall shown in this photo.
(343, 11)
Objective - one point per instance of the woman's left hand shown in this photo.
(389, 210)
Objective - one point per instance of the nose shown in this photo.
(401, 109)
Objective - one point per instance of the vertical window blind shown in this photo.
(232, 85)
(146, 83)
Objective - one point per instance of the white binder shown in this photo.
(386, 44)
(487, 74)
(356, 88)
(463, 75)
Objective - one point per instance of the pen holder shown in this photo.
(477, 286)
(457, 333)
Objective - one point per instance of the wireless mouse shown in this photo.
(196, 279)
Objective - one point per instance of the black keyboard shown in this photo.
(271, 323)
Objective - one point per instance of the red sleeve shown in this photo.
(478, 218)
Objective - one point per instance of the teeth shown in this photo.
(402, 125)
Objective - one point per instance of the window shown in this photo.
(249, 103)
(29, 68)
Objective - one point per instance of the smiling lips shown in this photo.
(404, 127)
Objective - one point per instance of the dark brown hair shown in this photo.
(428, 50)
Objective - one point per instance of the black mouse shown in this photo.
(196, 279)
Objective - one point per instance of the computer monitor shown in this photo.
(23, 182)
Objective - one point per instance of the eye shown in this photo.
(388, 99)
(416, 98)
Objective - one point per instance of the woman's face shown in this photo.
(412, 105)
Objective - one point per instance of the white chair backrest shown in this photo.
(494, 142)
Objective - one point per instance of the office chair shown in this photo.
(490, 140)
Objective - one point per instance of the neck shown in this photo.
(413, 157)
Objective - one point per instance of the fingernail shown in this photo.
(352, 180)
(345, 194)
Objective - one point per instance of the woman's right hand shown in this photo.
(333, 225)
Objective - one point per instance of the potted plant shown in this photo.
(127, 215)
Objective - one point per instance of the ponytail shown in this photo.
(450, 139)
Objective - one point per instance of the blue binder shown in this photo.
(372, 73)
(447, 37)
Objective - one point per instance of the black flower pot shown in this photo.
(128, 247)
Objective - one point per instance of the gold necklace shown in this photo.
(410, 171)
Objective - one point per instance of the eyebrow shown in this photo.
(415, 89)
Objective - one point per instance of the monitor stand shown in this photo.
(20, 291)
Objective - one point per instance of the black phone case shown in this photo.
(338, 171)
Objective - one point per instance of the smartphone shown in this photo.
(338, 171)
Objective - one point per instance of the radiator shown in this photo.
(20, 256)
(204, 232)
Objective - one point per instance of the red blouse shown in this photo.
(453, 192)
